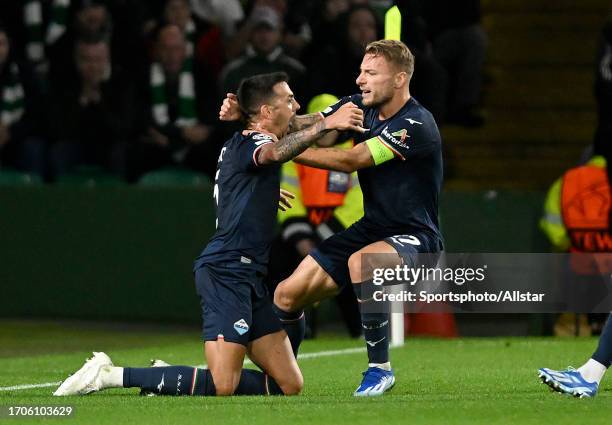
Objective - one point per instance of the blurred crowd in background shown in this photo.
(132, 86)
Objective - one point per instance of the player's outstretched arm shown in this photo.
(230, 111)
(300, 122)
(337, 159)
(348, 117)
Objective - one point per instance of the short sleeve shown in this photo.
(406, 137)
(356, 99)
(249, 148)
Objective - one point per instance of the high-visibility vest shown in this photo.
(552, 221)
(585, 208)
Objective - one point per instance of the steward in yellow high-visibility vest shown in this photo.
(552, 223)
(576, 219)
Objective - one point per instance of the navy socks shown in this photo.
(185, 380)
(171, 380)
(603, 354)
(295, 326)
(375, 324)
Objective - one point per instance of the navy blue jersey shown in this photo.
(246, 197)
(401, 195)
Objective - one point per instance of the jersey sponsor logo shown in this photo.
(413, 122)
(393, 137)
(245, 260)
(241, 327)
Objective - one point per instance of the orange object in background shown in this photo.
(441, 325)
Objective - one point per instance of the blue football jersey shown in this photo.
(246, 197)
(401, 195)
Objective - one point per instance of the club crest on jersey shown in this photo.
(393, 137)
(402, 134)
(241, 327)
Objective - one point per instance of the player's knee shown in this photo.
(283, 298)
(225, 383)
(354, 266)
(293, 386)
(225, 388)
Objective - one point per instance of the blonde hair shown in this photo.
(395, 52)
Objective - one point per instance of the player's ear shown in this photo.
(401, 79)
(265, 110)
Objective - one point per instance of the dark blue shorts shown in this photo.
(333, 254)
(235, 303)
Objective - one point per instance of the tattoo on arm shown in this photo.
(300, 122)
(295, 143)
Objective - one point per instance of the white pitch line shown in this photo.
(29, 386)
(303, 356)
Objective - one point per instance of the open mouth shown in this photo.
(364, 92)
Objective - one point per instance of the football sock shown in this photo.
(375, 325)
(170, 380)
(592, 371)
(254, 382)
(603, 354)
(113, 377)
(294, 323)
(186, 380)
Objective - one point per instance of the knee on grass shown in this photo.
(293, 386)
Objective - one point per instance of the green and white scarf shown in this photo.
(37, 36)
(190, 34)
(187, 110)
(11, 101)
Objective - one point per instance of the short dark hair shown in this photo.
(258, 90)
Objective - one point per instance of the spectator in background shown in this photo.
(178, 111)
(337, 65)
(89, 118)
(226, 14)
(459, 43)
(90, 20)
(20, 146)
(293, 17)
(324, 24)
(264, 54)
(204, 42)
(45, 22)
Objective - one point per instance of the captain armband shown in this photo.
(380, 152)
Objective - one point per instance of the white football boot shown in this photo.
(88, 378)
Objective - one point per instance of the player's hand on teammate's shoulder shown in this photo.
(283, 202)
(347, 118)
(230, 110)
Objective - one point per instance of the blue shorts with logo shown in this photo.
(235, 303)
(333, 254)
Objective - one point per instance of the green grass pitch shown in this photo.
(460, 381)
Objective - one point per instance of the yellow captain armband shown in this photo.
(380, 152)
